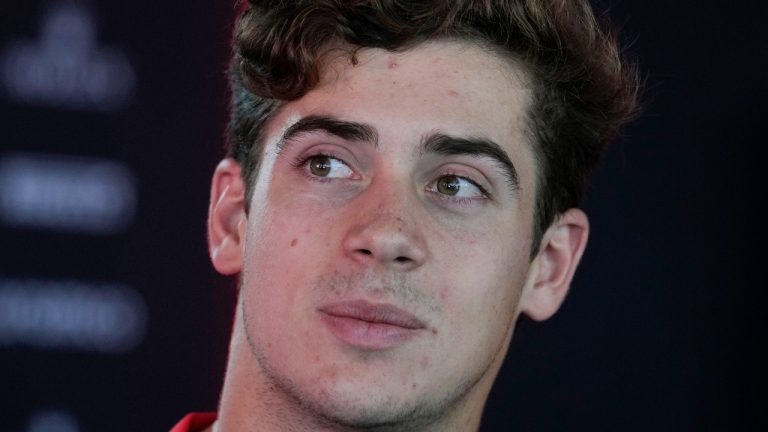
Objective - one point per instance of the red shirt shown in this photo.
(194, 422)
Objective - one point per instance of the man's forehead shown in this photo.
(440, 60)
(456, 87)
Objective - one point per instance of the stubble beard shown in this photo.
(309, 412)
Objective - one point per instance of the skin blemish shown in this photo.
(377, 293)
(424, 362)
(392, 63)
(413, 386)
(434, 331)
(293, 242)
(443, 293)
(453, 93)
(332, 374)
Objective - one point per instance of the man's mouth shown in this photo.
(370, 326)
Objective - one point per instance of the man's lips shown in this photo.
(373, 313)
(370, 326)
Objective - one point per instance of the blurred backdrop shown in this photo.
(111, 318)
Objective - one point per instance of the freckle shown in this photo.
(424, 362)
(453, 93)
(434, 331)
(317, 358)
(413, 386)
(293, 242)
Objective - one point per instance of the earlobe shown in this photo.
(553, 268)
(227, 218)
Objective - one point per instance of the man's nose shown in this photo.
(385, 232)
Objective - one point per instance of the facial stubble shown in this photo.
(428, 413)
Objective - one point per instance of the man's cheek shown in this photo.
(477, 294)
(300, 228)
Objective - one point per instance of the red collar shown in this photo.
(194, 422)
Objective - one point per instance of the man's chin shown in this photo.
(372, 412)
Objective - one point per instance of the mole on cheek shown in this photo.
(293, 242)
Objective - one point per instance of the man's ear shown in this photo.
(553, 267)
(227, 218)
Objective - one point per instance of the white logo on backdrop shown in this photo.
(65, 67)
(66, 193)
(71, 315)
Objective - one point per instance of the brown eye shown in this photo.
(328, 167)
(320, 165)
(449, 185)
(457, 188)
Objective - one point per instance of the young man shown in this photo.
(402, 184)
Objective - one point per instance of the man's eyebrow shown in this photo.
(347, 130)
(448, 145)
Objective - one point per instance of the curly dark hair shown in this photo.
(582, 89)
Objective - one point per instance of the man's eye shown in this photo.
(458, 187)
(328, 167)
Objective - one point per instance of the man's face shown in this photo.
(388, 241)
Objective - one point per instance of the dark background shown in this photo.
(663, 328)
